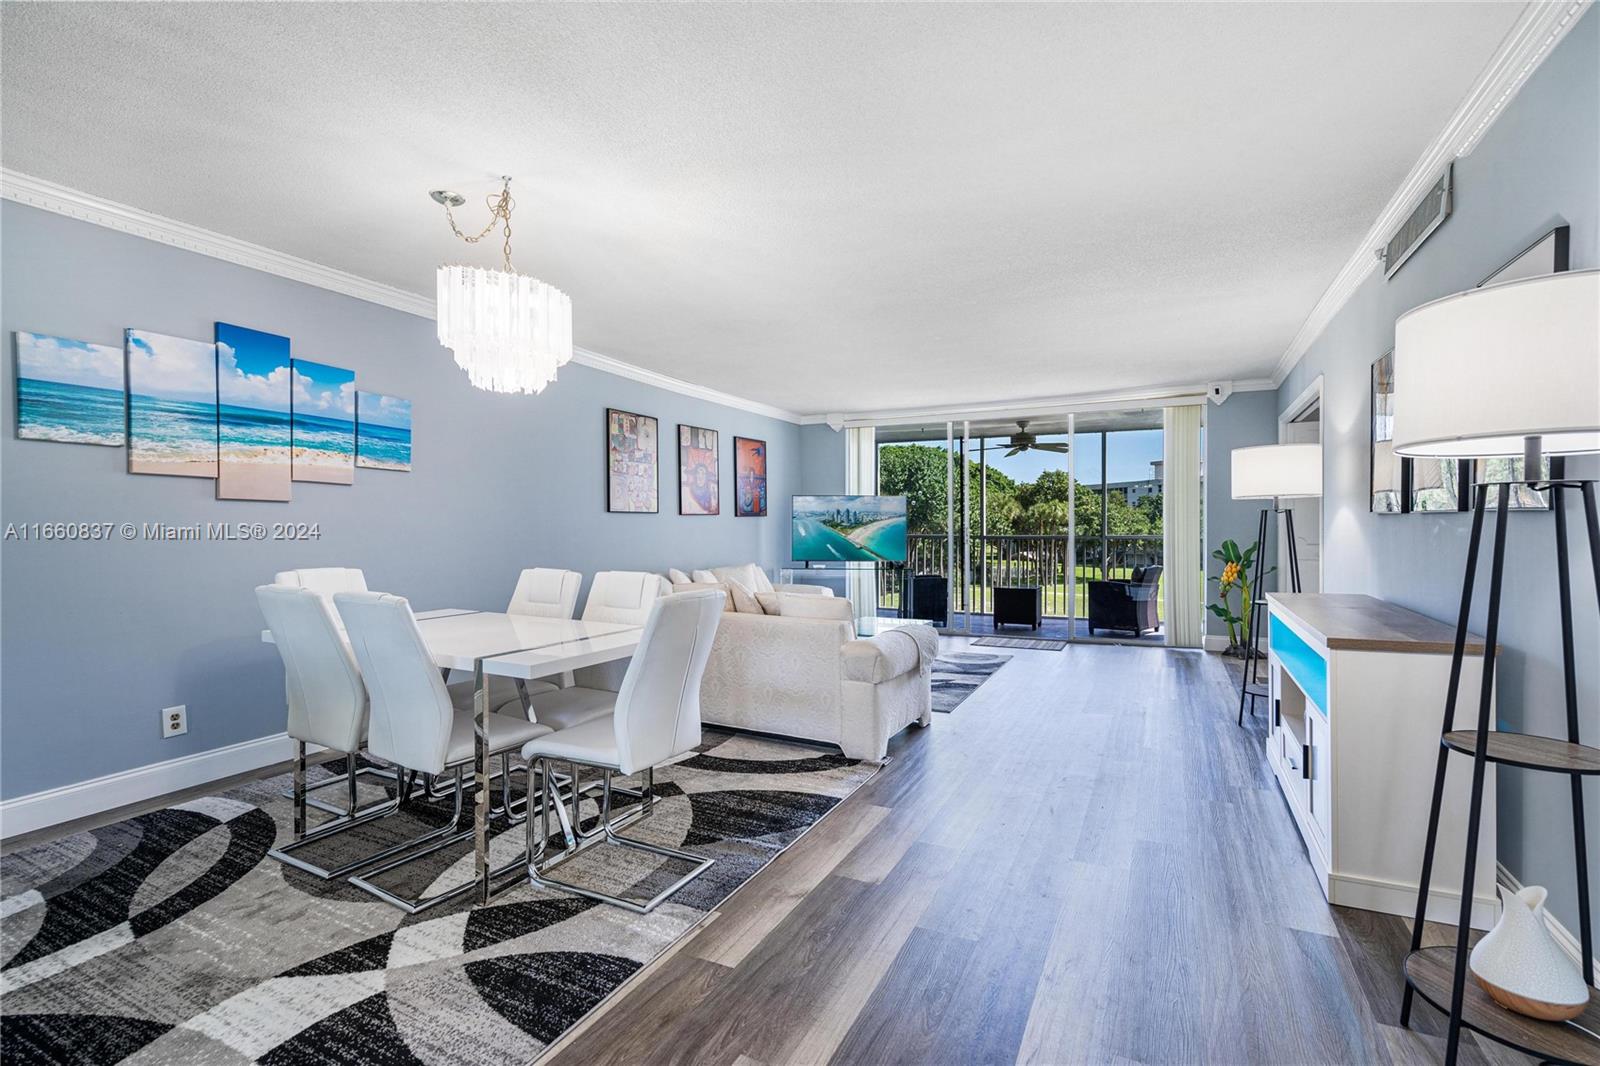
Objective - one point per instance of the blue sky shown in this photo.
(1129, 454)
(69, 362)
(252, 368)
(325, 391)
(377, 409)
(171, 368)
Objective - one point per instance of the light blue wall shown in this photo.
(1537, 167)
(1244, 419)
(98, 637)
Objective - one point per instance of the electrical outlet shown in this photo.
(174, 721)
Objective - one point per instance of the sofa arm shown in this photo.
(881, 658)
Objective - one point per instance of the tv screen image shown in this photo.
(849, 528)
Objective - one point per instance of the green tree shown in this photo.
(1047, 516)
(1150, 506)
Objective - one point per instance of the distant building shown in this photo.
(1134, 491)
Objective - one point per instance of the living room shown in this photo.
(799, 533)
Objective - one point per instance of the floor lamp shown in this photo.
(1273, 472)
(1506, 371)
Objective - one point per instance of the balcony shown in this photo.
(1024, 559)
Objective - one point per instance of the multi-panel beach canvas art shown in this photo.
(323, 423)
(253, 404)
(383, 432)
(69, 391)
(172, 405)
(697, 471)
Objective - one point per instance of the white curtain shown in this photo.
(1180, 522)
(861, 479)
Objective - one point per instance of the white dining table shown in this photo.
(520, 647)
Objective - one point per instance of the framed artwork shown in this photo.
(172, 405)
(253, 408)
(322, 425)
(632, 463)
(697, 471)
(749, 478)
(1549, 254)
(69, 391)
(383, 432)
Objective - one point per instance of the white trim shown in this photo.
(1563, 936)
(620, 369)
(1162, 396)
(86, 207)
(1537, 31)
(54, 806)
(1400, 898)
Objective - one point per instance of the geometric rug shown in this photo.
(172, 937)
(1032, 643)
(958, 675)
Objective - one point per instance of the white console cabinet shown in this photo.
(1356, 697)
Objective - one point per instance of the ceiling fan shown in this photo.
(1022, 441)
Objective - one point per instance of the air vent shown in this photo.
(1433, 209)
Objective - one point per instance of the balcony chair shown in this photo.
(414, 724)
(654, 717)
(1126, 605)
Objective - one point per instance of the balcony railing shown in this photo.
(1038, 559)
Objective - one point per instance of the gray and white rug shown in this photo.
(173, 938)
(958, 675)
(1030, 643)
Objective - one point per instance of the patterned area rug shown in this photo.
(173, 938)
(958, 675)
(1031, 643)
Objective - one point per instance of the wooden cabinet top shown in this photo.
(1343, 621)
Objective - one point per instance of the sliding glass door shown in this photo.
(1044, 527)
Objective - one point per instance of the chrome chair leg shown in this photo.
(352, 817)
(323, 805)
(539, 873)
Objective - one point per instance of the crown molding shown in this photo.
(1033, 407)
(86, 207)
(1537, 31)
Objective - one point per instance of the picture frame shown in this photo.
(633, 462)
(69, 391)
(698, 471)
(749, 477)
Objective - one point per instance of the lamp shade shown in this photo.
(1477, 372)
(1276, 471)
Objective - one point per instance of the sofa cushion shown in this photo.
(880, 658)
(769, 602)
(749, 575)
(834, 609)
(677, 577)
(705, 577)
(701, 586)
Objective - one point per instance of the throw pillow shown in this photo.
(705, 577)
(677, 577)
(744, 602)
(770, 602)
(833, 608)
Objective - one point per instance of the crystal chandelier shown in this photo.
(509, 332)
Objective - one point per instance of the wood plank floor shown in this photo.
(1086, 862)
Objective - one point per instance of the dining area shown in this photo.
(486, 747)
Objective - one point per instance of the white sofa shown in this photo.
(810, 677)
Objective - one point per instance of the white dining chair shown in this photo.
(654, 717)
(623, 596)
(413, 722)
(328, 707)
(540, 593)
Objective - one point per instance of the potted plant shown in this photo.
(1235, 576)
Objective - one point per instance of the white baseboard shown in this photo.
(54, 806)
(1563, 936)
(1400, 898)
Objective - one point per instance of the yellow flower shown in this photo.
(1230, 574)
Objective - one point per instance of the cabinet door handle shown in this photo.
(1305, 761)
(1277, 714)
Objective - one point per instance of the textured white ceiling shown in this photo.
(823, 207)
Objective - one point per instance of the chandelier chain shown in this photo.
(500, 207)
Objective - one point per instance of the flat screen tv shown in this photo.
(849, 528)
